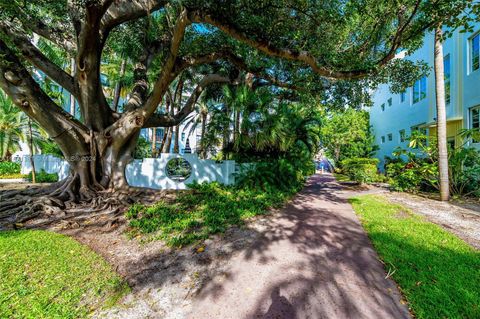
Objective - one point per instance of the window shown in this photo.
(475, 121)
(403, 96)
(199, 137)
(390, 137)
(382, 107)
(420, 90)
(402, 136)
(475, 52)
(389, 102)
(383, 139)
(446, 67)
(183, 136)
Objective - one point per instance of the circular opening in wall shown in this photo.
(178, 169)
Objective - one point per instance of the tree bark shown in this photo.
(441, 116)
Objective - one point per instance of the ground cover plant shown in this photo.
(204, 210)
(48, 275)
(437, 272)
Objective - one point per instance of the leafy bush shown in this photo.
(274, 175)
(208, 208)
(43, 177)
(420, 172)
(464, 172)
(403, 177)
(9, 168)
(49, 147)
(362, 170)
(143, 149)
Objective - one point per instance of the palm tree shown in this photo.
(11, 127)
(16, 127)
(199, 117)
(441, 116)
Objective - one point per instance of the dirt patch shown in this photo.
(402, 214)
(164, 280)
(459, 218)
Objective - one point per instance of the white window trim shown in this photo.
(469, 53)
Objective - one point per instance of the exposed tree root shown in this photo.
(66, 201)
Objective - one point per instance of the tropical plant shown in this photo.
(362, 170)
(347, 134)
(14, 129)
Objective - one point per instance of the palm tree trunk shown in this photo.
(154, 142)
(164, 140)
(168, 143)
(72, 98)
(441, 116)
(203, 150)
(176, 145)
(30, 146)
(118, 86)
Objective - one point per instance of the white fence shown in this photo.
(149, 172)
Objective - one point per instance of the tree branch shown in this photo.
(54, 34)
(167, 74)
(122, 11)
(38, 59)
(26, 93)
(164, 120)
(269, 49)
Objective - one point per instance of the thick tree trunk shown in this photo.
(441, 116)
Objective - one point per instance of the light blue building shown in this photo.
(393, 117)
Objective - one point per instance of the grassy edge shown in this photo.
(47, 274)
(434, 269)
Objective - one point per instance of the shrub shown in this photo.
(464, 172)
(9, 168)
(362, 170)
(207, 209)
(280, 174)
(403, 178)
(49, 147)
(43, 177)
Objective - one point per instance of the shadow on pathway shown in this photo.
(311, 260)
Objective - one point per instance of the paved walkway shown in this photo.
(312, 260)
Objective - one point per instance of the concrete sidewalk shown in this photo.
(312, 260)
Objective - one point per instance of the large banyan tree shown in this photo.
(316, 45)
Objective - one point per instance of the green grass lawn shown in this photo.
(48, 275)
(438, 273)
(207, 209)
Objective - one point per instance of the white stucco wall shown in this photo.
(149, 172)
